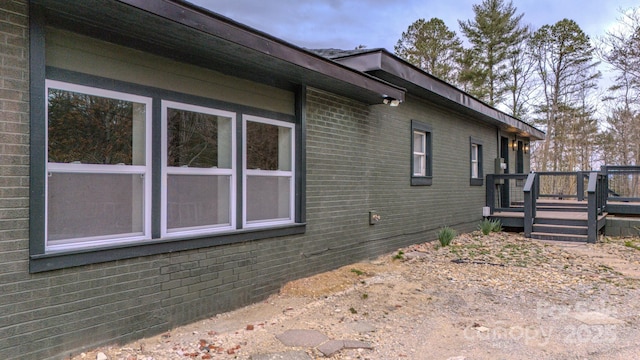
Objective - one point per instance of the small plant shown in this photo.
(353, 311)
(630, 244)
(365, 296)
(357, 272)
(486, 226)
(399, 255)
(445, 235)
(496, 225)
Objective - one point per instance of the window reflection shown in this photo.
(268, 147)
(198, 140)
(91, 129)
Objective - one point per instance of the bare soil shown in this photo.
(496, 296)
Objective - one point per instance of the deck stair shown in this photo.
(561, 220)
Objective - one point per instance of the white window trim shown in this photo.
(143, 170)
(422, 154)
(276, 173)
(169, 170)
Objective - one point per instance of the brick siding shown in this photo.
(358, 159)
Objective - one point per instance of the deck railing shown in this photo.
(623, 182)
(613, 190)
(504, 192)
(562, 185)
(623, 189)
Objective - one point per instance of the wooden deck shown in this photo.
(560, 215)
(565, 220)
(563, 205)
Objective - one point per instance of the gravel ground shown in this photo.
(496, 296)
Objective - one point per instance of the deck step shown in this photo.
(562, 208)
(542, 220)
(561, 229)
(559, 237)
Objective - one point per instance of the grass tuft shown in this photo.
(445, 235)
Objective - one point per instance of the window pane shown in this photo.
(268, 197)
(474, 152)
(418, 142)
(94, 205)
(198, 140)
(194, 201)
(268, 147)
(418, 165)
(95, 130)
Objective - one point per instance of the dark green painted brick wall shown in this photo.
(358, 159)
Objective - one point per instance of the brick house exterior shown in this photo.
(353, 155)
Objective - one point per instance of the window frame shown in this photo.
(83, 243)
(171, 170)
(41, 259)
(478, 179)
(268, 173)
(427, 131)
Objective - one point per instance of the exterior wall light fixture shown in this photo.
(390, 101)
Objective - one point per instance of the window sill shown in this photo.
(476, 182)
(421, 181)
(62, 260)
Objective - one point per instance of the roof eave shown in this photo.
(187, 33)
(390, 68)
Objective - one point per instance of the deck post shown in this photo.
(592, 208)
(490, 193)
(580, 185)
(529, 204)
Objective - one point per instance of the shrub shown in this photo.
(496, 225)
(486, 226)
(445, 235)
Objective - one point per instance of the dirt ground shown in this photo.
(497, 296)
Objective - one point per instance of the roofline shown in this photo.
(206, 21)
(382, 60)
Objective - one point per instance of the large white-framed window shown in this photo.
(98, 171)
(198, 169)
(268, 172)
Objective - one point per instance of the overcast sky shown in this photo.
(346, 24)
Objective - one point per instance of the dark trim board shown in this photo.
(623, 208)
(55, 261)
(37, 156)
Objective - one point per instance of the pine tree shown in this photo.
(493, 33)
(431, 46)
